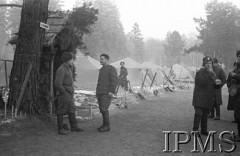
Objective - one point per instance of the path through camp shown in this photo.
(134, 131)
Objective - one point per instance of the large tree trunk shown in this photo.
(28, 51)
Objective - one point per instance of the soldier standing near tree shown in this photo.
(106, 86)
(65, 91)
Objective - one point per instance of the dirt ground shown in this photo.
(137, 131)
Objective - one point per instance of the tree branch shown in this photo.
(10, 5)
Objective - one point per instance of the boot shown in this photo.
(73, 123)
(217, 118)
(61, 130)
(65, 126)
(102, 123)
(106, 124)
(100, 127)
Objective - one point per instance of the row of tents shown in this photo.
(142, 75)
(146, 74)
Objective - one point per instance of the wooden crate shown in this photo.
(84, 111)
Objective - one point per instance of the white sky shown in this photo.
(157, 17)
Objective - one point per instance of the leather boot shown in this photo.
(73, 123)
(102, 123)
(61, 130)
(65, 126)
(106, 124)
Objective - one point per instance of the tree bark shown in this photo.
(28, 51)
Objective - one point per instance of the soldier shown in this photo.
(64, 85)
(123, 76)
(107, 83)
(203, 94)
(123, 84)
(229, 85)
(220, 74)
(235, 81)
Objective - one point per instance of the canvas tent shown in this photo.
(136, 73)
(149, 65)
(181, 73)
(87, 73)
(152, 70)
(129, 64)
(94, 62)
(5, 71)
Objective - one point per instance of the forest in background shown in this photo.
(218, 35)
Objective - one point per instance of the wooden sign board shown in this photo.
(44, 26)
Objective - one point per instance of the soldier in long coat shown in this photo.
(64, 89)
(106, 86)
(230, 105)
(203, 95)
(236, 98)
(220, 74)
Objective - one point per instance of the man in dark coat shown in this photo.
(123, 76)
(203, 95)
(229, 84)
(106, 86)
(64, 89)
(236, 98)
(220, 74)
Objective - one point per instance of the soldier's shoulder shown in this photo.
(112, 67)
(200, 70)
(61, 68)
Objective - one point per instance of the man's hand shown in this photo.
(110, 94)
(218, 82)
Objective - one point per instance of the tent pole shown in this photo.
(153, 80)
(144, 78)
(23, 88)
(6, 76)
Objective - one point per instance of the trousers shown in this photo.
(200, 116)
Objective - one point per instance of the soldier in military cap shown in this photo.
(203, 94)
(106, 86)
(64, 85)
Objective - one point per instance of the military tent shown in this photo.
(181, 73)
(136, 73)
(87, 73)
(94, 62)
(152, 70)
(5, 71)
